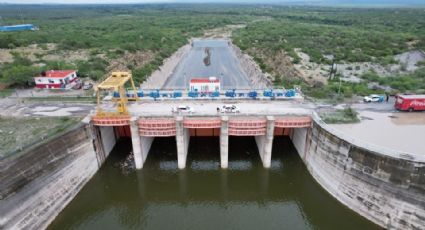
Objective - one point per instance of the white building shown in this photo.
(55, 79)
(204, 85)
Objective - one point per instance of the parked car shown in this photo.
(87, 85)
(77, 85)
(373, 98)
(182, 109)
(229, 109)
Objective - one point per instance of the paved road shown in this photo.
(224, 65)
(18, 107)
(209, 108)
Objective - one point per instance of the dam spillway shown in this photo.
(258, 123)
(245, 195)
(370, 181)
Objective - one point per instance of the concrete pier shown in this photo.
(135, 140)
(182, 141)
(141, 145)
(265, 143)
(108, 139)
(224, 142)
(146, 143)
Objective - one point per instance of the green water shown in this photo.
(203, 196)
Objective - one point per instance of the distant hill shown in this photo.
(284, 2)
(376, 2)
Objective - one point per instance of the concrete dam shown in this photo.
(275, 159)
(370, 181)
(386, 188)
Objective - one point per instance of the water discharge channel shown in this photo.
(204, 196)
(208, 58)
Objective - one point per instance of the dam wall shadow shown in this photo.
(37, 183)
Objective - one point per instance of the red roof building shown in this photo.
(55, 79)
(204, 85)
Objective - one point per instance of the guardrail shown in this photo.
(243, 94)
(201, 123)
(111, 120)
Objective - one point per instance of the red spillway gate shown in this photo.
(293, 122)
(119, 120)
(157, 127)
(247, 127)
(203, 127)
(207, 123)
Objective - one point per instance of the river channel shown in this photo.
(203, 196)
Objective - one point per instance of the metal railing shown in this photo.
(157, 133)
(247, 132)
(201, 123)
(157, 127)
(293, 122)
(247, 123)
(111, 120)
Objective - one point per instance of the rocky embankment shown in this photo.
(39, 182)
(158, 78)
(257, 78)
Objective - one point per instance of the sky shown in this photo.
(352, 2)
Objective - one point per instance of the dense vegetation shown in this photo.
(110, 32)
(344, 116)
(353, 35)
(347, 35)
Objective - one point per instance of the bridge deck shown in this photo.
(209, 108)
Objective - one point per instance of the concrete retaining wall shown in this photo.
(38, 183)
(386, 187)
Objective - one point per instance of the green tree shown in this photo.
(18, 74)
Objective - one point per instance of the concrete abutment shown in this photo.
(141, 144)
(182, 141)
(265, 143)
(224, 142)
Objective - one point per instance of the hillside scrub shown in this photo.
(342, 35)
(109, 32)
(155, 28)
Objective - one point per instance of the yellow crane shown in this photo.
(116, 83)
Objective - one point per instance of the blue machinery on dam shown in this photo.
(235, 94)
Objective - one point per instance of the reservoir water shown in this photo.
(203, 196)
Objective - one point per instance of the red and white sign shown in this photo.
(55, 79)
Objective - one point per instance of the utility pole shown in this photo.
(185, 81)
(339, 88)
(333, 69)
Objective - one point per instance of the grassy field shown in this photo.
(17, 133)
(344, 116)
(70, 99)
